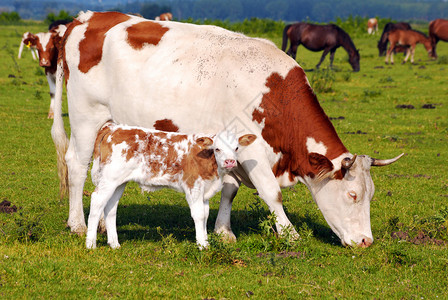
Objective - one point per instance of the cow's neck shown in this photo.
(295, 125)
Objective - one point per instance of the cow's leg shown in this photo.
(100, 198)
(78, 157)
(110, 215)
(199, 208)
(260, 173)
(322, 57)
(51, 79)
(230, 188)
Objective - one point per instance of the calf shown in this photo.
(33, 50)
(45, 43)
(192, 164)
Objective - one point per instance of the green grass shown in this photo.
(39, 258)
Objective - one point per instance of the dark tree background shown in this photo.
(236, 10)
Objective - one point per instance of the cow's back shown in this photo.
(151, 71)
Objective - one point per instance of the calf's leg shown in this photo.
(110, 215)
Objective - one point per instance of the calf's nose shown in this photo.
(229, 163)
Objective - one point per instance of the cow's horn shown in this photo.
(348, 162)
(385, 162)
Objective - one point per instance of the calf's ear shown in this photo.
(247, 139)
(204, 142)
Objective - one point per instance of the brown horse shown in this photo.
(382, 43)
(438, 30)
(407, 38)
(320, 37)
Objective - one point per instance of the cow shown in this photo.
(372, 26)
(190, 163)
(32, 49)
(164, 17)
(199, 78)
(45, 44)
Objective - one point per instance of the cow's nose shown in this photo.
(366, 242)
(229, 163)
(44, 63)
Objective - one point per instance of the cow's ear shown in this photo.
(31, 40)
(247, 139)
(204, 142)
(321, 165)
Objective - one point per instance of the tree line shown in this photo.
(237, 10)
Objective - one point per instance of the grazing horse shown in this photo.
(372, 26)
(438, 30)
(320, 37)
(408, 38)
(382, 43)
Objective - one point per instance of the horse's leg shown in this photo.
(326, 50)
(408, 53)
(332, 52)
(293, 50)
(390, 53)
(412, 54)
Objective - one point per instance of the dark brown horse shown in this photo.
(382, 43)
(438, 30)
(320, 37)
(407, 38)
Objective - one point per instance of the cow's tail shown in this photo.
(58, 133)
(285, 37)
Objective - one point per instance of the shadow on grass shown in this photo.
(154, 221)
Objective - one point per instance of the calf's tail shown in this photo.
(285, 37)
(58, 133)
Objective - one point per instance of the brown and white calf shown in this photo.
(22, 43)
(164, 17)
(45, 43)
(193, 164)
(372, 26)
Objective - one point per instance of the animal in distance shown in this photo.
(327, 38)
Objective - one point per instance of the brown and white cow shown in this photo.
(192, 164)
(372, 26)
(198, 78)
(164, 17)
(33, 50)
(45, 44)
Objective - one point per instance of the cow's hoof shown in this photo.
(114, 245)
(90, 244)
(78, 229)
(226, 235)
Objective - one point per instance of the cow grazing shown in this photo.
(192, 164)
(372, 26)
(200, 78)
(45, 44)
(164, 17)
(438, 31)
(22, 43)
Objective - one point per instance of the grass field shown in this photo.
(381, 111)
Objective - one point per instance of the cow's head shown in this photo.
(225, 146)
(344, 198)
(44, 44)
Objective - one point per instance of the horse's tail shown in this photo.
(285, 37)
(58, 132)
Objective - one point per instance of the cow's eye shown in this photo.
(217, 150)
(236, 149)
(353, 195)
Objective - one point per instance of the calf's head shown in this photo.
(344, 198)
(225, 146)
(44, 44)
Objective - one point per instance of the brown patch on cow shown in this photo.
(320, 164)
(279, 197)
(197, 163)
(146, 32)
(292, 113)
(166, 125)
(91, 47)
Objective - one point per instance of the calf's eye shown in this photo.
(217, 150)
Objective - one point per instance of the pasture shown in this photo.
(382, 111)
